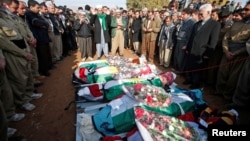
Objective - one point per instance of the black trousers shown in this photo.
(44, 58)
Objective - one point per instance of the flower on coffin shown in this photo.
(128, 69)
(139, 112)
(138, 87)
(150, 95)
(163, 127)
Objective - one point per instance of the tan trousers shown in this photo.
(118, 41)
(137, 47)
(20, 78)
(85, 47)
(148, 47)
(164, 54)
(228, 75)
(34, 62)
(58, 46)
(52, 45)
(3, 124)
(6, 95)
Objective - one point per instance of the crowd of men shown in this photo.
(204, 43)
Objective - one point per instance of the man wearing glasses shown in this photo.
(201, 45)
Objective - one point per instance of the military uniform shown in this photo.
(14, 50)
(6, 94)
(241, 97)
(235, 42)
(3, 120)
(3, 124)
(27, 34)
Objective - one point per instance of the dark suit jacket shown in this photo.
(97, 28)
(136, 27)
(56, 25)
(202, 42)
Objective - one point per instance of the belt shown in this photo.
(235, 46)
(20, 43)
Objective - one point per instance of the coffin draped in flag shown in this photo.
(113, 88)
(157, 127)
(102, 71)
(118, 116)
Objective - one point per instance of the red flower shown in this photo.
(161, 128)
(139, 113)
(138, 87)
(149, 99)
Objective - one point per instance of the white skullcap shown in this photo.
(82, 12)
(98, 6)
(145, 9)
(117, 11)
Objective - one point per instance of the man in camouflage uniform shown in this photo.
(235, 54)
(17, 56)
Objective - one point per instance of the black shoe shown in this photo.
(58, 60)
(186, 82)
(16, 138)
(46, 74)
(193, 86)
(52, 67)
(234, 106)
(38, 84)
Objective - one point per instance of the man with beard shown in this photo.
(234, 48)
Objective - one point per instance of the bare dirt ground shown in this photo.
(50, 122)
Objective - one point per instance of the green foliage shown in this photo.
(150, 4)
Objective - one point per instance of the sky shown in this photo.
(74, 4)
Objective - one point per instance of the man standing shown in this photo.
(150, 28)
(31, 41)
(39, 28)
(101, 24)
(201, 45)
(17, 57)
(234, 48)
(83, 29)
(118, 25)
(183, 33)
(58, 31)
(136, 32)
(241, 97)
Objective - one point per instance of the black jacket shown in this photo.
(136, 27)
(38, 26)
(83, 30)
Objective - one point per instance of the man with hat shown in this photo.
(83, 29)
(234, 48)
(101, 24)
